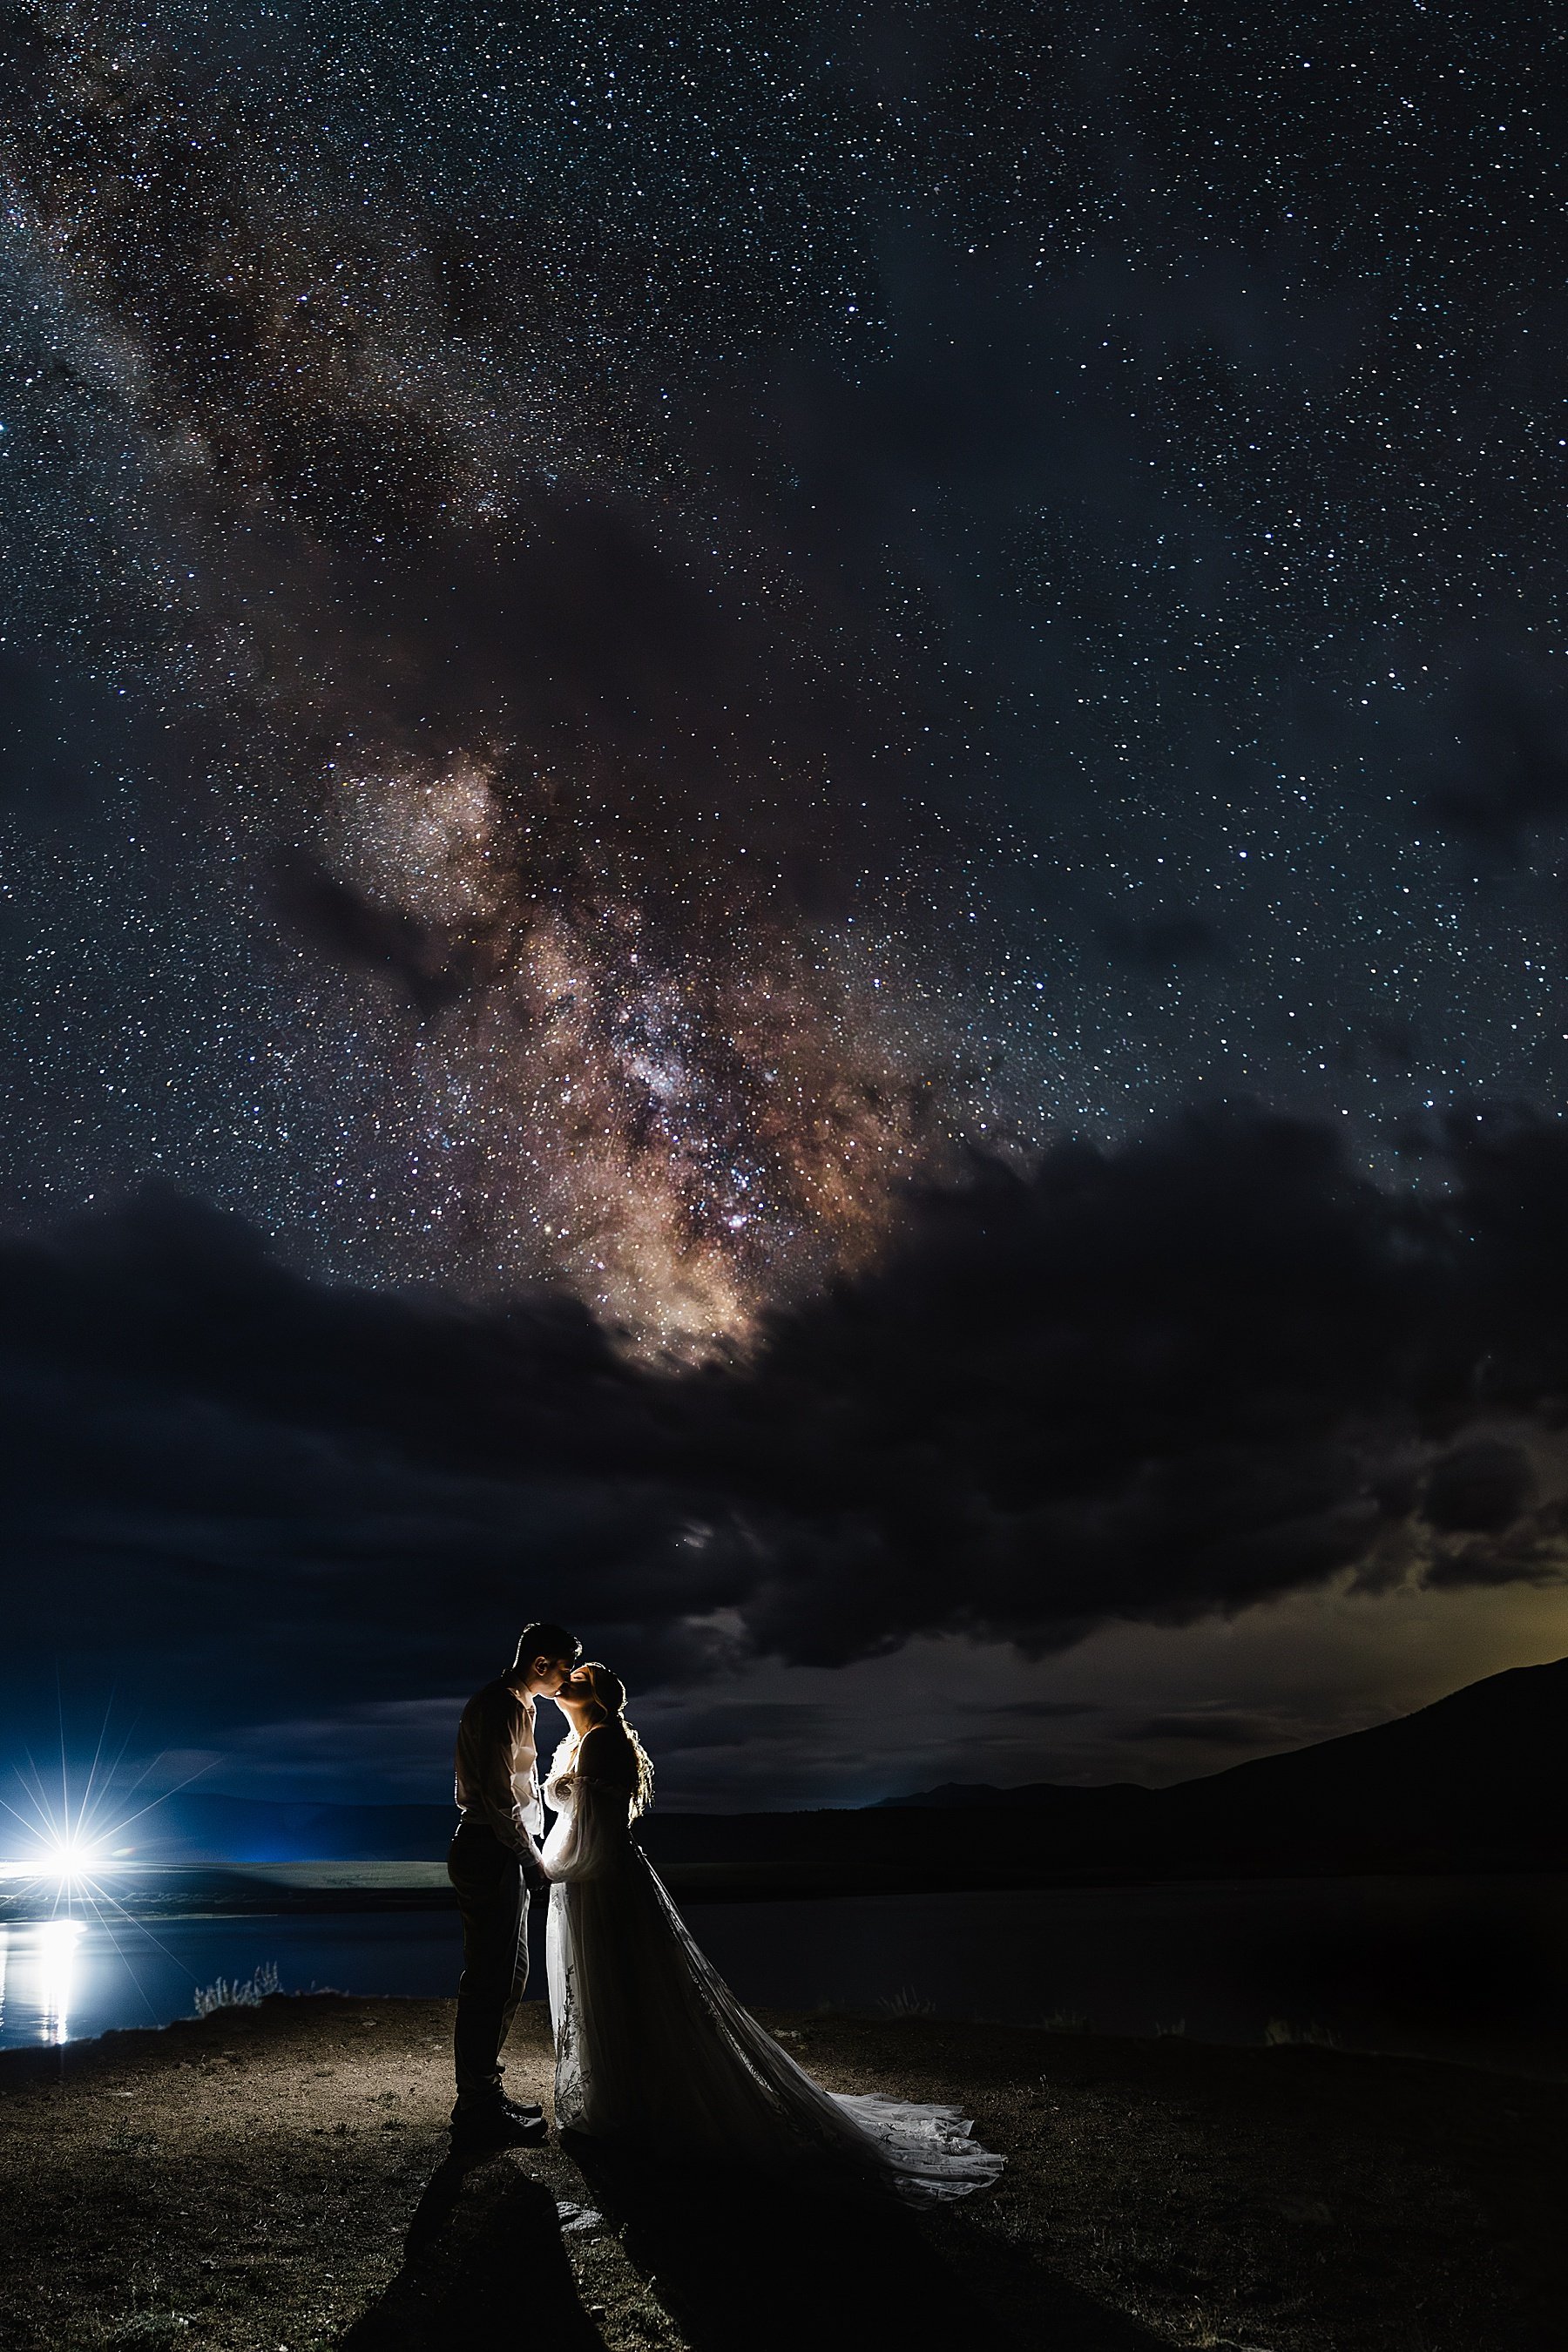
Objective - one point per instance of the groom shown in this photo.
(494, 1864)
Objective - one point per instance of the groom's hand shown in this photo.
(533, 1877)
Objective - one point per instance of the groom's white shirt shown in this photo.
(496, 1775)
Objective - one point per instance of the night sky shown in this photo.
(783, 863)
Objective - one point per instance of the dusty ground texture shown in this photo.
(276, 2180)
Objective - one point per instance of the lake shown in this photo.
(1473, 1969)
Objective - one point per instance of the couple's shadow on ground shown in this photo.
(483, 2262)
(738, 2264)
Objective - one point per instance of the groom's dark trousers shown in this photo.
(493, 1900)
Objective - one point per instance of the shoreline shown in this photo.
(1290, 2034)
(250, 2180)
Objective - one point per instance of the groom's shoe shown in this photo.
(494, 2128)
(516, 2108)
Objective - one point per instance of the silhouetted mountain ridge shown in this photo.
(1476, 1779)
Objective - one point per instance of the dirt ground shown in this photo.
(277, 2179)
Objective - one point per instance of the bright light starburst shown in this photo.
(68, 1840)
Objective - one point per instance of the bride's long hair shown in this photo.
(610, 1694)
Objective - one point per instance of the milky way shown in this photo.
(620, 635)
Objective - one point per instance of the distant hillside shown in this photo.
(1477, 1782)
(1476, 1779)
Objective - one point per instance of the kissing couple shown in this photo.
(653, 2051)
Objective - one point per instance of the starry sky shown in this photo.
(824, 755)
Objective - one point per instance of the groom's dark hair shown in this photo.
(546, 1641)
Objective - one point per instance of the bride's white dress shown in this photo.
(652, 2048)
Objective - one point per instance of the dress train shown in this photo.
(652, 2048)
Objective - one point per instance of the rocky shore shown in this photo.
(275, 2179)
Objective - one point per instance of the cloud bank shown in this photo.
(1214, 1366)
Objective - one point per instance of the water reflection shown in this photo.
(37, 1973)
(57, 1949)
(67, 1979)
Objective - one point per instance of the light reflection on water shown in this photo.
(62, 1980)
(37, 1974)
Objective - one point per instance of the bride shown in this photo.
(651, 2046)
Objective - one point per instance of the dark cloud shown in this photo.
(1218, 1728)
(431, 966)
(1531, 1557)
(1148, 1383)
(1481, 1487)
(1043, 1710)
(686, 1731)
